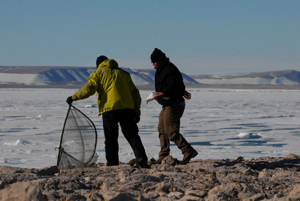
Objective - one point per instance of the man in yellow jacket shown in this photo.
(119, 102)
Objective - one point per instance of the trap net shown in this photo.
(78, 142)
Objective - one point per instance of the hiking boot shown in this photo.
(188, 156)
(152, 161)
(159, 160)
(143, 163)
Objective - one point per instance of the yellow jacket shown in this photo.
(114, 86)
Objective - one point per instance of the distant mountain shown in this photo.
(286, 77)
(36, 76)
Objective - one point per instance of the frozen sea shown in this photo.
(219, 123)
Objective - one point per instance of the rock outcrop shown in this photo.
(266, 178)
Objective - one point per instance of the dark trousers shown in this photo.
(168, 128)
(111, 120)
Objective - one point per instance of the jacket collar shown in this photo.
(108, 63)
(162, 64)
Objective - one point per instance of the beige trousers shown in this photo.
(168, 128)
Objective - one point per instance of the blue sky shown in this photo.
(199, 37)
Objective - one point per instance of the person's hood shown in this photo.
(109, 63)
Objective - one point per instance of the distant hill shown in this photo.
(37, 76)
(286, 77)
(49, 76)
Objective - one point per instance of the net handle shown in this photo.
(62, 134)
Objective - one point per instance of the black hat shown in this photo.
(100, 59)
(157, 55)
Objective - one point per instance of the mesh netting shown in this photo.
(78, 141)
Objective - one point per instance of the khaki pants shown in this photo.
(168, 128)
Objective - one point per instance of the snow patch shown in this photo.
(18, 142)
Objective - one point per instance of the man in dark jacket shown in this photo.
(171, 90)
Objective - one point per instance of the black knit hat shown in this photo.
(157, 55)
(100, 59)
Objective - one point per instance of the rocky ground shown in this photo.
(266, 178)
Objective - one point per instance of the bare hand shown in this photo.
(187, 95)
(159, 95)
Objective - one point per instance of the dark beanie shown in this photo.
(100, 59)
(157, 55)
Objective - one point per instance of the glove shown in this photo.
(137, 119)
(69, 100)
(187, 95)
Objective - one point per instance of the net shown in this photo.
(78, 141)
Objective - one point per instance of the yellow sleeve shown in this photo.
(88, 89)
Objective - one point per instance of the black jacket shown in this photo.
(168, 80)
